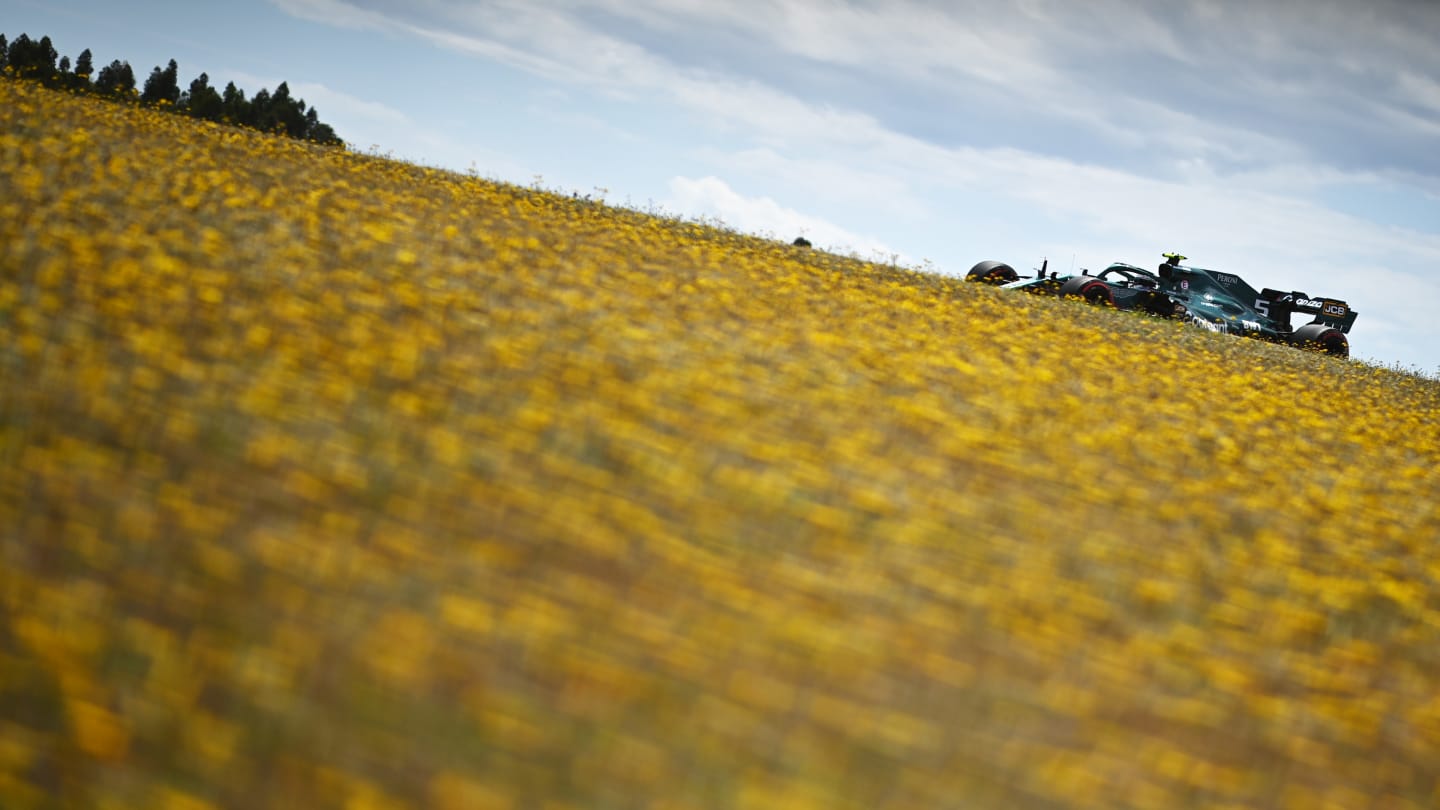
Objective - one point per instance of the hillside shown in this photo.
(331, 481)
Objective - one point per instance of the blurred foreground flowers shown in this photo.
(331, 481)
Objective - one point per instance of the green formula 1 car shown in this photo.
(1221, 302)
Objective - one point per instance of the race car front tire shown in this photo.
(992, 272)
(1093, 290)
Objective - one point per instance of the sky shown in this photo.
(1296, 144)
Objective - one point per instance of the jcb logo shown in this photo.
(1335, 309)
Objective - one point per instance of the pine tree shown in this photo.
(234, 108)
(163, 86)
(201, 100)
(18, 55)
(45, 56)
(288, 113)
(116, 79)
(318, 132)
(25, 58)
(78, 80)
(83, 67)
(260, 117)
(4, 53)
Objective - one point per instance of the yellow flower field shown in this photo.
(334, 481)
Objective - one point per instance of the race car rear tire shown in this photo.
(1093, 290)
(992, 272)
(1323, 338)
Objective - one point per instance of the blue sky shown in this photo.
(1294, 143)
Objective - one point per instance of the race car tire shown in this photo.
(1323, 338)
(1092, 290)
(992, 272)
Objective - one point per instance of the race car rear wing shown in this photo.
(1329, 311)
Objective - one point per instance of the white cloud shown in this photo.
(333, 12)
(334, 102)
(711, 197)
(822, 181)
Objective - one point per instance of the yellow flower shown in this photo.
(98, 731)
(327, 480)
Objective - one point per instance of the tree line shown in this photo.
(36, 60)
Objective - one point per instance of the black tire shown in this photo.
(1092, 289)
(1322, 338)
(992, 272)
